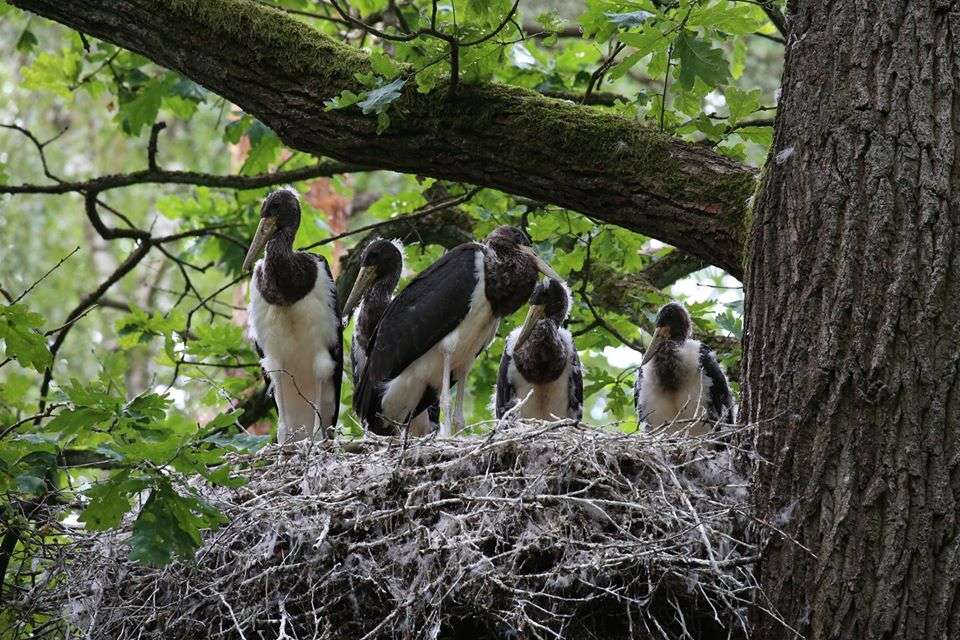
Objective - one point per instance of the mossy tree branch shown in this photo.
(281, 71)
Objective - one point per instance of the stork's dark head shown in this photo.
(280, 212)
(673, 324)
(384, 256)
(550, 301)
(554, 297)
(284, 206)
(380, 263)
(513, 272)
(674, 321)
(507, 237)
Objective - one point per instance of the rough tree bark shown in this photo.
(853, 345)
(603, 165)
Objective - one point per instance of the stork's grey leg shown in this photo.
(445, 424)
(282, 416)
(321, 414)
(459, 422)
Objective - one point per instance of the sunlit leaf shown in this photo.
(699, 60)
(379, 99)
(22, 341)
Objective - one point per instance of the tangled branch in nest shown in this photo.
(535, 531)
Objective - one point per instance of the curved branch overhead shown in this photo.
(280, 70)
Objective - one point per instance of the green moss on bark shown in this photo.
(274, 37)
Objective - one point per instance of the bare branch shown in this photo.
(416, 215)
(152, 145)
(160, 176)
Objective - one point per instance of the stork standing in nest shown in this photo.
(540, 367)
(295, 322)
(680, 385)
(434, 329)
(381, 265)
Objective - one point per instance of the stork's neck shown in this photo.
(372, 306)
(543, 356)
(286, 275)
(510, 276)
(669, 365)
(280, 249)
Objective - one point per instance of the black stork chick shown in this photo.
(381, 265)
(434, 329)
(680, 383)
(540, 368)
(295, 322)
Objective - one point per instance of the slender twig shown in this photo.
(125, 267)
(105, 232)
(420, 213)
(202, 304)
(152, 145)
(596, 78)
(44, 276)
(221, 365)
(305, 14)
(90, 76)
(39, 146)
(666, 85)
(373, 30)
(47, 412)
(506, 20)
(767, 36)
(596, 316)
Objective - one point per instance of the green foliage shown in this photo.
(170, 524)
(22, 340)
(54, 72)
(264, 149)
(699, 60)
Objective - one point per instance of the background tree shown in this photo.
(851, 361)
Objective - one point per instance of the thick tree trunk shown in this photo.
(853, 340)
(282, 71)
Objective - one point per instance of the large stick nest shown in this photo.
(536, 531)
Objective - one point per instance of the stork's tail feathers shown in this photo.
(366, 402)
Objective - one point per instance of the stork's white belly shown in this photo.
(296, 341)
(543, 401)
(472, 335)
(678, 408)
(550, 401)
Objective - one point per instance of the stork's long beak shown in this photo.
(365, 278)
(264, 231)
(542, 265)
(659, 336)
(534, 314)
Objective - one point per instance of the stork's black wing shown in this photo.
(336, 351)
(720, 402)
(506, 395)
(575, 388)
(429, 308)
